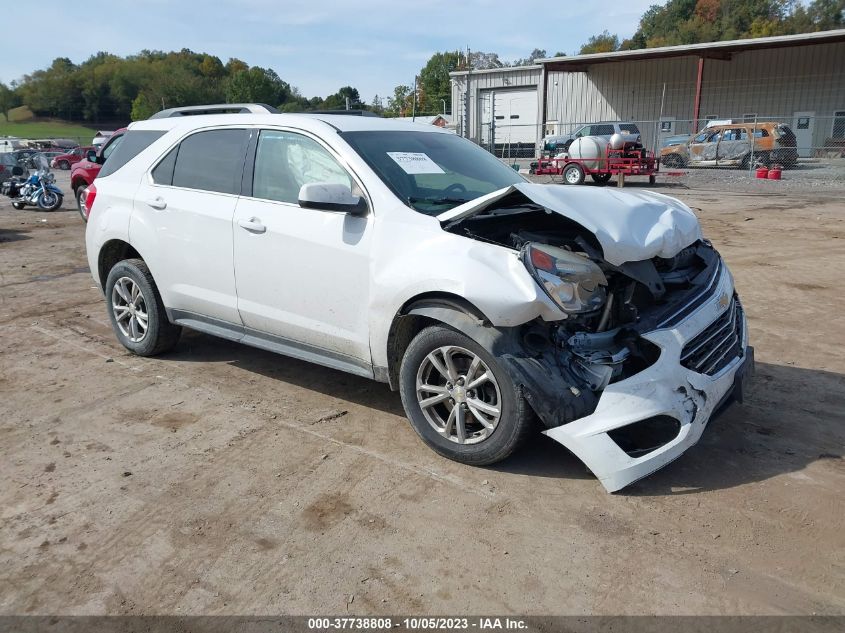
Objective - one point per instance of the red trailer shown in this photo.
(631, 160)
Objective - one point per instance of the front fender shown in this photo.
(414, 260)
(542, 376)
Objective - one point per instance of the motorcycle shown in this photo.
(38, 190)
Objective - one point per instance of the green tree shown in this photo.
(604, 42)
(257, 85)
(401, 102)
(8, 100)
(537, 53)
(434, 79)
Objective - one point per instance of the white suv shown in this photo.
(409, 255)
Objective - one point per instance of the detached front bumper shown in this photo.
(666, 389)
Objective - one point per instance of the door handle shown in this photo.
(157, 203)
(253, 225)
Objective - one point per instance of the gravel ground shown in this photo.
(223, 479)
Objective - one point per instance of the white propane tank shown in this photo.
(617, 141)
(589, 150)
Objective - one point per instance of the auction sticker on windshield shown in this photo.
(415, 163)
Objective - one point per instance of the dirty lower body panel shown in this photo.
(647, 420)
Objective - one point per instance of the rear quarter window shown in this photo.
(629, 128)
(131, 144)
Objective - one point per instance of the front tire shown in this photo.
(64, 165)
(459, 399)
(601, 178)
(136, 311)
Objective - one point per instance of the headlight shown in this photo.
(573, 281)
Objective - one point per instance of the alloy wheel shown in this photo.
(458, 395)
(130, 309)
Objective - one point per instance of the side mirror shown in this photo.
(331, 197)
(91, 155)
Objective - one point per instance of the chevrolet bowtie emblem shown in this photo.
(724, 300)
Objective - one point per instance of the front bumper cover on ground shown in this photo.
(666, 388)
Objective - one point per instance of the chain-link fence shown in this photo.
(806, 135)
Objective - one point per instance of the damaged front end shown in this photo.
(648, 349)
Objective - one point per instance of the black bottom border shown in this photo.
(409, 624)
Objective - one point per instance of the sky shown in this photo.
(317, 45)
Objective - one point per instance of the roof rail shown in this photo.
(358, 112)
(217, 108)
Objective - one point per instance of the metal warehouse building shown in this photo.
(796, 79)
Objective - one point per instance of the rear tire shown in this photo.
(466, 403)
(673, 160)
(80, 203)
(573, 174)
(601, 179)
(136, 311)
(18, 205)
(64, 165)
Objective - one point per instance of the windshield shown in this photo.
(431, 172)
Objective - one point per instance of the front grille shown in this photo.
(714, 276)
(721, 342)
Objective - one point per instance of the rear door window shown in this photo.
(629, 128)
(212, 160)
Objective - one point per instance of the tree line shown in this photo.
(681, 22)
(109, 88)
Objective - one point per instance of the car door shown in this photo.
(184, 210)
(703, 147)
(303, 275)
(734, 145)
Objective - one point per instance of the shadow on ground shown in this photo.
(13, 235)
(791, 418)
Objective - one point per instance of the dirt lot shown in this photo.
(222, 479)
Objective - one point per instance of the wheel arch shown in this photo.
(77, 183)
(427, 309)
(111, 253)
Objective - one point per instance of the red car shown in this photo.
(64, 161)
(86, 170)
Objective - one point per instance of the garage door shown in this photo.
(510, 116)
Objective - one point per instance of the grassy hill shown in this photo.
(22, 125)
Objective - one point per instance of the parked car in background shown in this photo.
(677, 139)
(561, 142)
(101, 137)
(85, 171)
(729, 145)
(9, 144)
(409, 255)
(31, 161)
(23, 156)
(64, 161)
(8, 161)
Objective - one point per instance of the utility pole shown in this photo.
(414, 102)
(466, 95)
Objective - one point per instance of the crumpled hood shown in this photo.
(630, 226)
